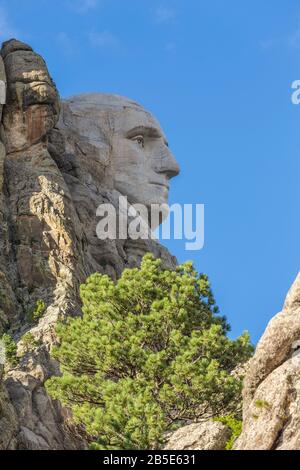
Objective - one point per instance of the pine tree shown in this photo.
(149, 354)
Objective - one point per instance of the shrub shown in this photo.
(29, 342)
(149, 353)
(236, 428)
(37, 311)
(10, 350)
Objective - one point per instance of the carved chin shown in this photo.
(158, 194)
(145, 194)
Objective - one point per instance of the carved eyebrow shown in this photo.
(144, 130)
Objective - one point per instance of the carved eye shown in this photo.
(140, 140)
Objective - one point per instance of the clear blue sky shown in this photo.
(217, 74)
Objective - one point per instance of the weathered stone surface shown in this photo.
(54, 173)
(32, 98)
(3, 226)
(272, 383)
(8, 419)
(37, 260)
(2, 85)
(12, 46)
(209, 435)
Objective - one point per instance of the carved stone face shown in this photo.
(128, 140)
(142, 163)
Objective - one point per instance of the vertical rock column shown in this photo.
(41, 213)
(8, 419)
(42, 255)
(3, 282)
(2, 157)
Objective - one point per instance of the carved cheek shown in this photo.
(135, 155)
(126, 160)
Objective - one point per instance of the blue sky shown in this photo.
(218, 75)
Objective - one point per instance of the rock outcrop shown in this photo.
(37, 260)
(272, 384)
(8, 419)
(209, 435)
(58, 163)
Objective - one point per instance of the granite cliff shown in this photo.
(272, 384)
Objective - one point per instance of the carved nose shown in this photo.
(168, 165)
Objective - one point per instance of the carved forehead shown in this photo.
(111, 112)
(101, 100)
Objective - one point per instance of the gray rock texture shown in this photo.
(208, 435)
(58, 163)
(272, 384)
